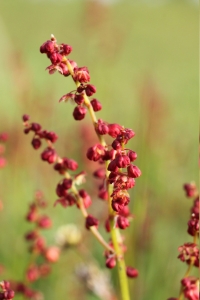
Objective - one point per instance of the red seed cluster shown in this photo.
(116, 168)
(57, 53)
(6, 292)
(189, 252)
(38, 247)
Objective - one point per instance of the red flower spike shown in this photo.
(110, 262)
(90, 90)
(131, 272)
(96, 105)
(81, 74)
(36, 143)
(133, 171)
(79, 113)
(91, 221)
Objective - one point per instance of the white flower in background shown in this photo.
(68, 235)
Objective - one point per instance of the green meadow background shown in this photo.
(143, 59)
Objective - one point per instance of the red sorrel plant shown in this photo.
(41, 255)
(189, 252)
(114, 162)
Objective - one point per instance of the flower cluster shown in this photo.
(115, 161)
(3, 139)
(189, 252)
(43, 255)
(6, 293)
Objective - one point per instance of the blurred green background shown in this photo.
(143, 59)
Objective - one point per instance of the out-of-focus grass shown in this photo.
(143, 61)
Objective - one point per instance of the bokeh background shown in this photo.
(143, 59)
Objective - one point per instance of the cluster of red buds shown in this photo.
(116, 169)
(115, 160)
(6, 293)
(41, 255)
(189, 252)
(3, 139)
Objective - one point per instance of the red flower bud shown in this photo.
(44, 222)
(96, 152)
(122, 161)
(66, 49)
(79, 99)
(91, 221)
(134, 171)
(122, 222)
(47, 47)
(81, 74)
(70, 164)
(55, 58)
(101, 127)
(36, 143)
(79, 113)
(100, 173)
(116, 145)
(25, 118)
(131, 272)
(96, 105)
(114, 130)
(90, 90)
(110, 262)
(132, 155)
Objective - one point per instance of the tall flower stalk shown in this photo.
(115, 168)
